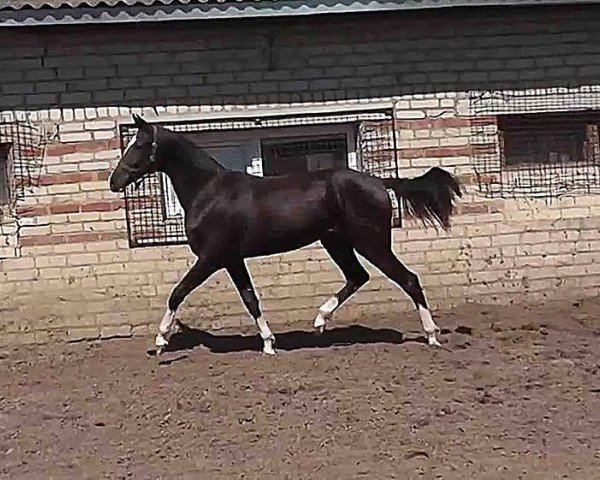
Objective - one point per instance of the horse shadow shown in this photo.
(189, 338)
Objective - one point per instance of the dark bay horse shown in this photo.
(231, 216)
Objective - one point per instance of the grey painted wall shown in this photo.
(329, 58)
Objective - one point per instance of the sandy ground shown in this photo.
(516, 395)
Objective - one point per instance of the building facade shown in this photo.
(506, 97)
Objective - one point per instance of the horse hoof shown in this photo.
(433, 341)
(269, 346)
(319, 324)
(160, 343)
(268, 349)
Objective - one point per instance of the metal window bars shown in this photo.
(536, 143)
(27, 150)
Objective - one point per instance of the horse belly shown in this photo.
(284, 230)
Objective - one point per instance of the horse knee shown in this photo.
(412, 281)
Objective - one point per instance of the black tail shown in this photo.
(430, 197)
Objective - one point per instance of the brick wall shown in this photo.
(70, 273)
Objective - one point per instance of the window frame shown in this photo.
(255, 138)
(494, 178)
(339, 137)
(551, 117)
(225, 138)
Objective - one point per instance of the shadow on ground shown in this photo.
(188, 338)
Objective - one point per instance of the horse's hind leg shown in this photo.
(342, 253)
(241, 278)
(384, 259)
(199, 272)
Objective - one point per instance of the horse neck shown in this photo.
(188, 167)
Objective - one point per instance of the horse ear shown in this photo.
(141, 123)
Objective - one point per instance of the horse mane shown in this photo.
(180, 148)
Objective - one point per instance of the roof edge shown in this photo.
(208, 11)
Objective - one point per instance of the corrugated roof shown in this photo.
(57, 4)
(23, 13)
(37, 4)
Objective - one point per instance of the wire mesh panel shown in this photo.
(377, 147)
(539, 143)
(27, 145)
(154, 216)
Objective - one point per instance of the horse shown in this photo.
(232, 216)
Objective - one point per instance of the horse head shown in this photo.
(139, 157)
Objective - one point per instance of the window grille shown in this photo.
(538, 143)
(26, 154)
(377, 147)
(548, 138)
(296, 155)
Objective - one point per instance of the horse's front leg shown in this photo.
(241, 278)
(199, 272)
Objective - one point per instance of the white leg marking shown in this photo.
(269, 346)
(325, 312)
(164, 330)
(167, 322)
(160, 342)
(429, 326)
(266, 335)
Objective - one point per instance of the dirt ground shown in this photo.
(516, 395)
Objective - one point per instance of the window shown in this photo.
(549, 138)
(271, 152)
(538, 143)
(233, 155)
(304, 154)
(6, 174)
